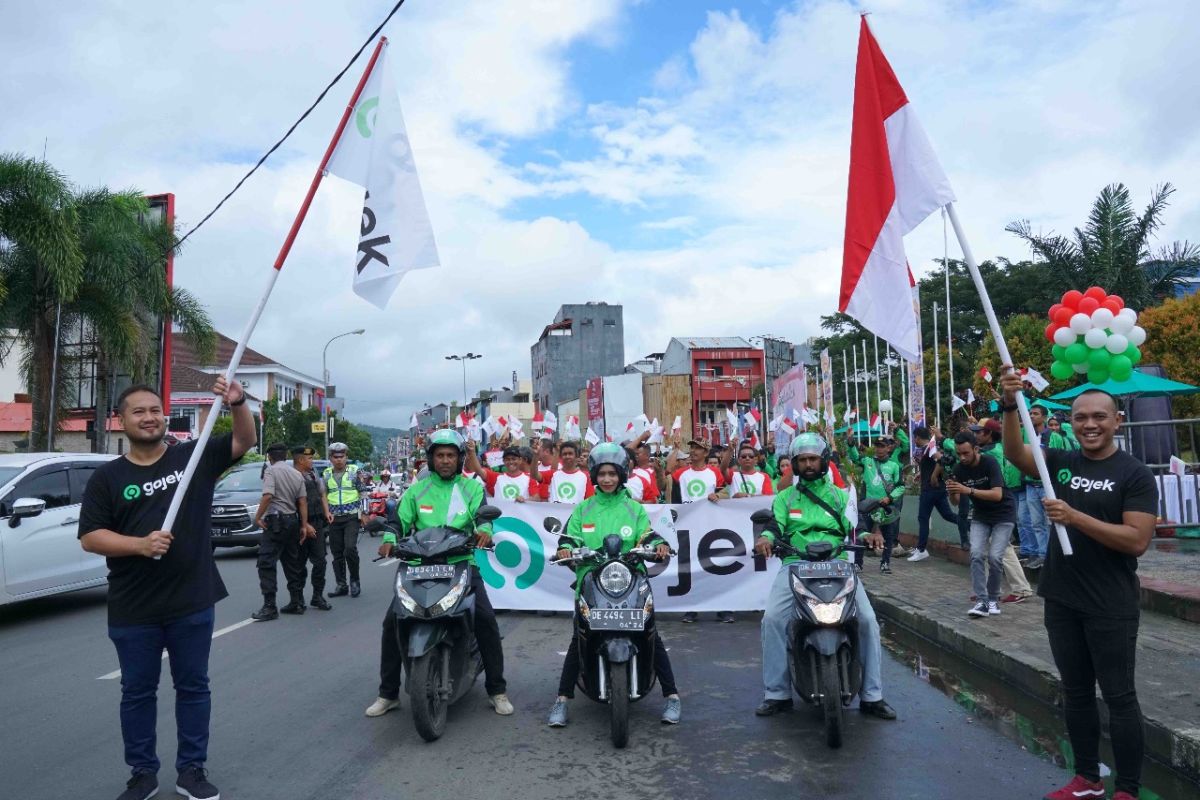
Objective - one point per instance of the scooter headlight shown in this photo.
(402, 594)
(453, 596)
(828, 613)
(846, 590)
(615, 578)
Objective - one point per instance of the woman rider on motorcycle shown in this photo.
(607, 512)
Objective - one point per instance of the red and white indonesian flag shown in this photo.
(753, 417)
(463, 420)
(549, 422)
(571, 431)
(789, 426)
(986, 374)
(373, 151)
(895, 183)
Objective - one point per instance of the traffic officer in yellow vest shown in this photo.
(341, 484)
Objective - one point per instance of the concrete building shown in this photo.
(261, 376)
(724, 371)
(584, 341)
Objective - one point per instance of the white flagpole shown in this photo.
(867, 394)
(937, 371)
(846, 380)
(206, 434)
(854, 421)
(878, 381)
(949, 329)
(1006, 358)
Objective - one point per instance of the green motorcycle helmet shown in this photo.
(447, 437)
(809, 444)
(608, 453)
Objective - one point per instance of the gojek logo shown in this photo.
(510, 491)
(133, 491)
(1086, 484)
(519, 552)
(364, 119)
(695, 488)
(566, 492)
(1064, 476)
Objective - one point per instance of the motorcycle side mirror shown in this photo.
(612, 545)
(487, 514)
(551, 525)
(374, 524)
(819, 551)
(762, 517)
(674, 515)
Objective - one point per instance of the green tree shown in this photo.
(1172, 341)
(1026, 339)
(1113, 250)
(92, 255)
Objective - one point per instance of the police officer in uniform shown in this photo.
(312, 546)
(282, 514)
(341, 484)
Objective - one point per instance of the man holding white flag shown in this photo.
(374, 152)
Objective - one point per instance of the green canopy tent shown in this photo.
(862, 428)
(1140, 384)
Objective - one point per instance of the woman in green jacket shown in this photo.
(611, 510)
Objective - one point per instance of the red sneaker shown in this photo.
(1080, 788)
(1014, 598)
(1123, 796)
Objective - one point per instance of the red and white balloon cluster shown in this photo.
(1094, 333)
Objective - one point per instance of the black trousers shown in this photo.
(1089, 650)
(662, 668)
(312, 554)
(487, 634)
(343, 543)
(280, 542)
(890, 532)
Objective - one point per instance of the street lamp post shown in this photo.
(464, 358)
(325, 380)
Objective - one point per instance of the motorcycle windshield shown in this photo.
(432, 542)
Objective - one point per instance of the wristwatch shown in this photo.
(1007, 409)
(240, 401)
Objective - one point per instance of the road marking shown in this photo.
(227, 629)
(387, 561)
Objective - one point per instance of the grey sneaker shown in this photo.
(1035, 563)
(978, 610)
(141, 786)
(558, 714)
(670, 715)
(993, 608)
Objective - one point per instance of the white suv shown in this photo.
(40, 554)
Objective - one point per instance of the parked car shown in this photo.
(40, 554)
(235, 502)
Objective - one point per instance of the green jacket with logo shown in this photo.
(801, 520)
(434, 502)
(1013, 477)
(878, 475)
(601, 515)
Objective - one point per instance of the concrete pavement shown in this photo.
(288, 721)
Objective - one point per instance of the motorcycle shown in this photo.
(435, 614)
(823, 632)
(374, 505)
(614, 627)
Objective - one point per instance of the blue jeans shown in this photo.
(777, 680)
(932, 499)
(1034, 527)
(139, 649)
(988, 543)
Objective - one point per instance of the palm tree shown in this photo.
(1113, 250)
(95, 253)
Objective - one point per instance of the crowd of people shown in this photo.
(164, 584)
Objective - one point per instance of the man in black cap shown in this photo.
(282, 512)
(312, 544)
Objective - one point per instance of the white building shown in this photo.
(261, 376)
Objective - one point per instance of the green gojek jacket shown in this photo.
(1013, 477)
(801, 520)
(436, 501)
(876, 477)
(604, 514)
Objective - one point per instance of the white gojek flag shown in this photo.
(373, 151)
(677, 424)
(956, 403)
(1035, 379)
(591, 438)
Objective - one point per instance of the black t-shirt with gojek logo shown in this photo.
(130, 499)
(1096, 579)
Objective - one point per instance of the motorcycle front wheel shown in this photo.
(830, 686)
(618, 698)
(429, 708)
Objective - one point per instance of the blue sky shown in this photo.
(684, 158)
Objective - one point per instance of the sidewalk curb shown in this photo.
(1177, 749)
(1161, 597)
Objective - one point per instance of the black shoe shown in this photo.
(340, 591)
(690, 616)
(294, 607)
(193, 784)
(320, 602)
(355, 589)
(769, 708)
(878, 708)
(267, 612)
(885, 569)
(726, 616)
(140, 786)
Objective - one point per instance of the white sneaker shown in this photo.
(381, 706)
(919, 555)
(501, 704)
(993, 608)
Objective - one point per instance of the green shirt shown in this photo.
(801, 520)
(878, 476)
(602, 515)
(435, 502)
(1013, 477)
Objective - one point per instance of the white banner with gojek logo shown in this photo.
(715, 568)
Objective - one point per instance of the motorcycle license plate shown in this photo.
(431, 572)
(823, 569)
(617, 619)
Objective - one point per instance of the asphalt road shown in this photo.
(288, 700)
